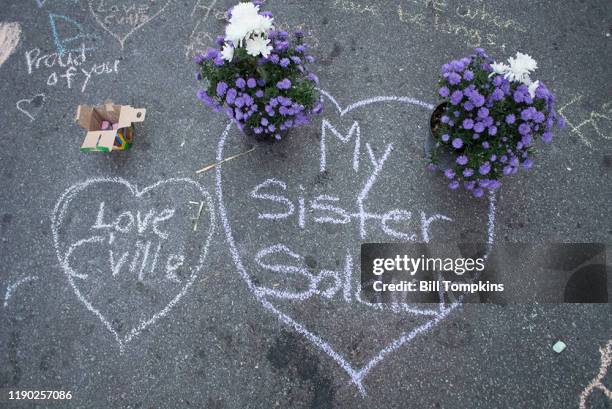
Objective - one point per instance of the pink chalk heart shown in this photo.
(356, 176)
(122, 18)
(131, 255)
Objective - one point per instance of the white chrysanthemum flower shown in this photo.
(520, 67)
(244, 11)
(499, 68)
(236, 33)
(533, 86)
(245, 22)
(263, 24)
(258, 45)
(227, 52)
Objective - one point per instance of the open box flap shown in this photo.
(99, 139)
(129, 115)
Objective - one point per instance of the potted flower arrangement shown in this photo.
(489, 119)
(259, 75)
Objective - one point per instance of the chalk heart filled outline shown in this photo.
(59, 213)
(102, 21)
(356, 374)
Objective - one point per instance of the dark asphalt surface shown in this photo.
(190, 333)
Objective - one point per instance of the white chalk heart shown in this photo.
(131, 255)
(10, 36)
(30, 106)
(330, 218)
(122, 18)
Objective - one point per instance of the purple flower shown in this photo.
(526, 140)
(524, 128)
(526, 114)
(467, 172)
(457, 65)
(457, 143)
(445, 137)
(498, 94)
(264, 121)
(431, 167)
(539, 117)
(456, 97)
(483, 113)
(478, 192)
(444, 119)
(468, 106)
(241, 83)
(259, 93)
(475, 136)
(454, 78)
(251, 83)
(300, 48)
(547, 137)
(444, 92)
(462, 160)
(479, 127)
(485, 145)
(449, 173)
(485, 168)
(453, 185)
(492, 130)
(470, 185)
(221, 88)
(468, 75)
(312, 77)
(211, 54)
(467, 124)
(204, 97)
(296, 60)
(284, 84)
(527, 163)
(198, 76)
(230, 97)
(281, 45)
(274, 58)
(310, 59)
(510, 119)
(477, 99)
(518, 96)
(284, 62)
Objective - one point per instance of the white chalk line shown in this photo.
(356, 375)
(10, 288)
(597, 381)
(57, 219)
(129, 33)
(10, 37)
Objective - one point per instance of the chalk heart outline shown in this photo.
(118, 37)
(356, 374)
(58, 216)
(29, 101)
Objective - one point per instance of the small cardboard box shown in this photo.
(120, 139)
